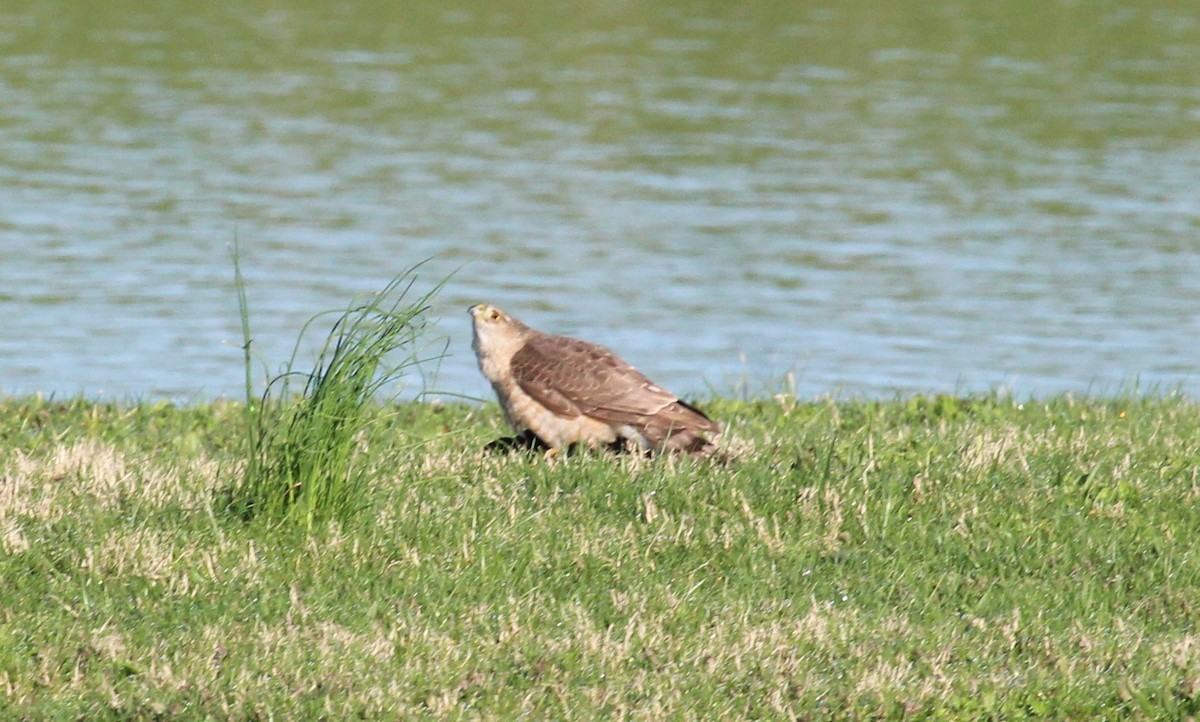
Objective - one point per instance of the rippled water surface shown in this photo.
(870, 197)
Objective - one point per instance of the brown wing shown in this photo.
(572, 377)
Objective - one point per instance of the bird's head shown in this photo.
(486, 313)
(494, 328)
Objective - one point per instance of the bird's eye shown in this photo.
(494, 315)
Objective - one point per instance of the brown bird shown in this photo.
(566, 391)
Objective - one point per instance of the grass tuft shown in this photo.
(302, 448)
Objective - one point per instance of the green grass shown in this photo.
(301, 459)
(920, 558)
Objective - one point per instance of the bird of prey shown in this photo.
(565, 391)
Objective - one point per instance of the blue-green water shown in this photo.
(872, 198)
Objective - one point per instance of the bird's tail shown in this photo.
(681, 427)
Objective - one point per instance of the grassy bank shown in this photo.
(923, 557)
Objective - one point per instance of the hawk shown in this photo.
(565, 391)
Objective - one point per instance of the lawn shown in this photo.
(923, 557)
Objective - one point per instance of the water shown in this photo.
(859, 198)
